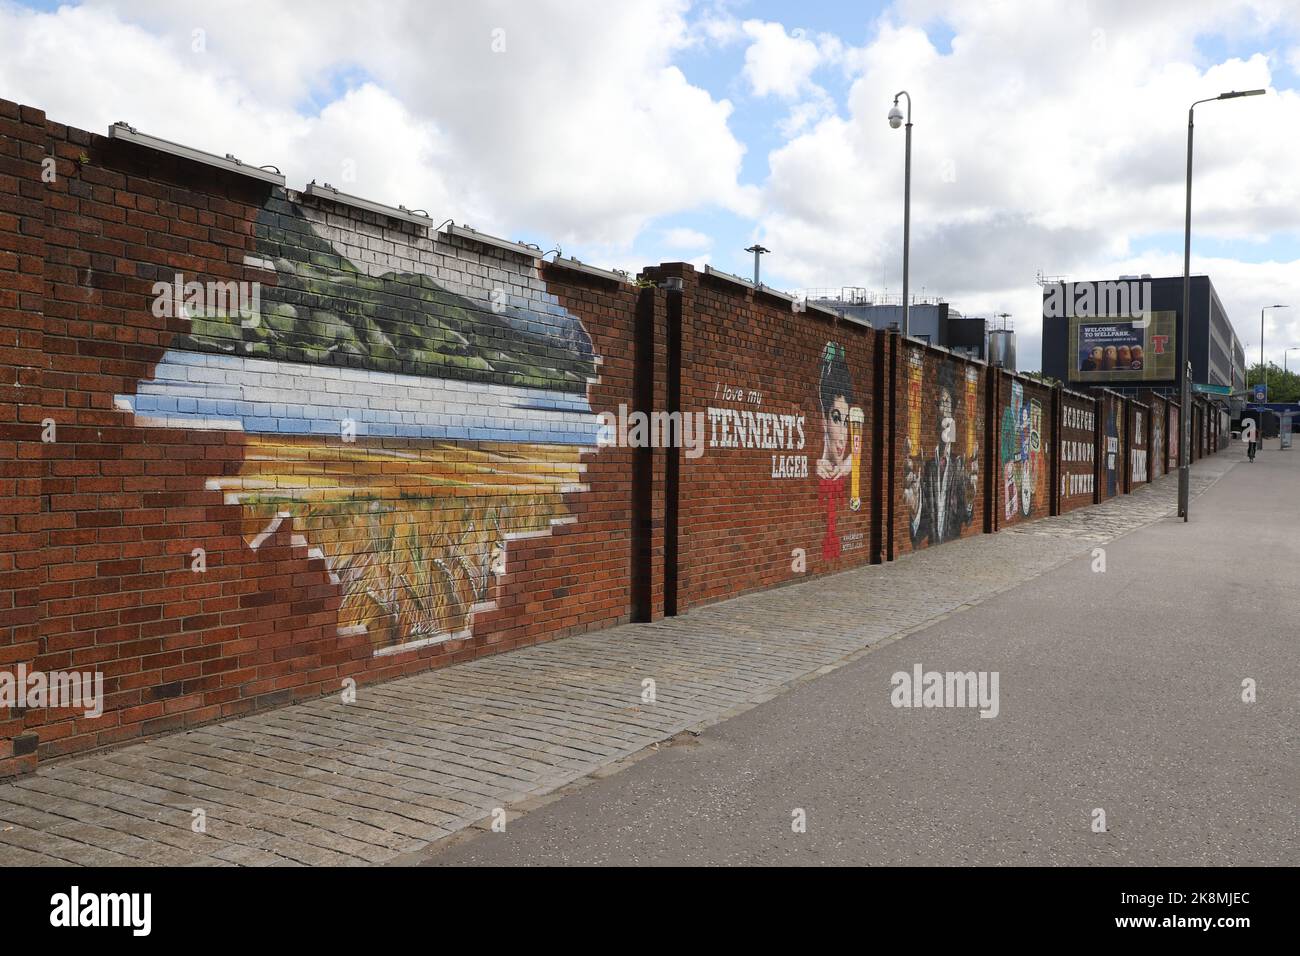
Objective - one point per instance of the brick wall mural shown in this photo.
(1159, 424)
(1111, 472)
(1174, 434)
(406, 414)
(1025, 447)
(255, 443)
(1077, 450)
(1139, 438)
(782, 487)
(839, 467)
(940, 482)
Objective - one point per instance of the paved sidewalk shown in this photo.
(415, 760)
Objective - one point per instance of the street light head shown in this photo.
(895, 116)
(1234, 94)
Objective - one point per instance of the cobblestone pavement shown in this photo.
(417, 759)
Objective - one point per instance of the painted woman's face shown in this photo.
(837, 428)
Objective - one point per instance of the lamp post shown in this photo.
(757, 250)
(896, 120)
(1263, 369)
(1294, 348)
(1185, 393)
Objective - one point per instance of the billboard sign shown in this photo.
(1122, 349)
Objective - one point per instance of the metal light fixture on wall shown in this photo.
(129, 134)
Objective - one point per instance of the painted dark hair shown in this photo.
(835, 378)
(947, 379)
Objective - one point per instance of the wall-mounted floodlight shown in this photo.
(579, 266)
(326, 191)
(465, 232)
(229, 163)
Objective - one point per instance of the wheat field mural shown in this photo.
(401, 431)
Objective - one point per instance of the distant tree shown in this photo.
(1282, 386)
(1040, 377)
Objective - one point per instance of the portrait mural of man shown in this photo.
(941, 484)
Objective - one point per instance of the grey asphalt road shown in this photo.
(1118, 690)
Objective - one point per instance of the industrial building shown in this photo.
(1125, 334)
(931, 319)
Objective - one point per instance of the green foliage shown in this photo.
(325, 310)
(1040, 377)
(1282, 386)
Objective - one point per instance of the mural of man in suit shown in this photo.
(946, 484)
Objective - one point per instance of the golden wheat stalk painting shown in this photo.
(402, 432)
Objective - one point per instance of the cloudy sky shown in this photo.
(1049, 134)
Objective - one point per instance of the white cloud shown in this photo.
(1052, 136)
(778, 63)
(683, 238)
(558, 121)
(1046, 141)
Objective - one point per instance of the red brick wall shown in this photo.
(939, 481)
(1159, 434)
(1025, 443)
(207, 567)
(769, 497)
(1110, 470)
(1139, 444)
(1077, 450)
(23, 535)
(1173, 434)
(398, 465)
